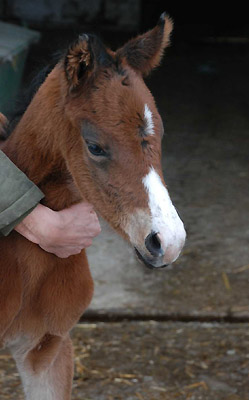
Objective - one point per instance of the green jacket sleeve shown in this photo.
(18, 195)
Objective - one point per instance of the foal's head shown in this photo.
(114, 114)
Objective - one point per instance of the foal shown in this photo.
(92, 132)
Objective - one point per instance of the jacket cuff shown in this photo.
(15, 213)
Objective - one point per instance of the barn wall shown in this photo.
(114, 13)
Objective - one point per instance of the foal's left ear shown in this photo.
(145, 51)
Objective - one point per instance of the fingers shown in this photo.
(3, 125)
(62, 252)
(79, 220)
(79, 208)
(66, 251)
(94, 226)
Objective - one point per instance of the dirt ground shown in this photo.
(152, 361)
(202, 94)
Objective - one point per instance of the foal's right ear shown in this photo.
(83, 58)
(78, 61)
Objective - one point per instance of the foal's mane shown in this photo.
(24, 99)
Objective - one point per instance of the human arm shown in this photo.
(63, 233)
(18, 195)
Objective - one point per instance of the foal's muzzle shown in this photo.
(158, 250)
(147, 262)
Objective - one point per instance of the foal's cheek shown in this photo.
(100, 173)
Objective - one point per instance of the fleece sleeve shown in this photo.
(18, 195)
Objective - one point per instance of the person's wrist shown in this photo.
(47, 226)
(40, 226)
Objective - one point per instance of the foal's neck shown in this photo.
(35, 145)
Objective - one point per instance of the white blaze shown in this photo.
(149, 124)
(165, 220)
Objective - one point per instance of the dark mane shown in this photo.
(24, 99)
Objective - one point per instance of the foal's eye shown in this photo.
(96, 150)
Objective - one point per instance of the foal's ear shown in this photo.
(144, 52)
(78, 60)
(83, 57)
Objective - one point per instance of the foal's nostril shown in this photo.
(153, 244)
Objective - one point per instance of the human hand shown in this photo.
(62, 233)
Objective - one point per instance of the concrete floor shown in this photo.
(202, 94)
